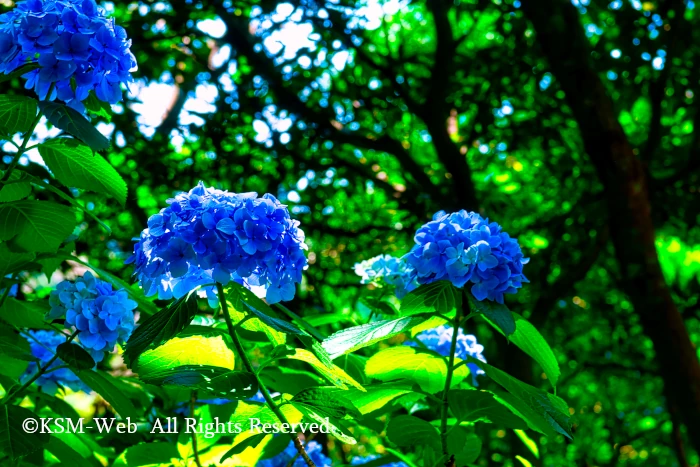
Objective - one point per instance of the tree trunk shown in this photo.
(561, 37)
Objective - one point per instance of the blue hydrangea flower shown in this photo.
(43, 346)
(208, 235)
(313, 449)
(388, 269)
(183, 408)
(440, 340)
(102, 315)
(77, 48)
(464, 247)
(371, 457)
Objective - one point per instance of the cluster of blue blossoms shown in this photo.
(313, 449)
(372, 457)
(102, 315)
(464, 247)
(387, 269)
(76, 48)
(440, 340)
(43, 346)
(208, 235)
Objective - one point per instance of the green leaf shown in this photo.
(97, 108)
(77, 166)
(182, 351)
(495, 313)
(243, 299)
(350, 339)
(161, 326)
(529, 339)
(14, 345)
(17, 113)
(75, 356)
(423, 367)
(440, 296)
(74, 123)
(219, 381)
(66, 454)
(11, 262)
(14, 441)
(16, 188)
(544, 412)
(335, 426)
(327, 403)
(149, 454)
(480, 406)
(289, 380)
(252, 441)
(332, 373)
(375, 396)
(409, 431)
(102, 384)
(24, 314)
(35, 226)
(464, 446)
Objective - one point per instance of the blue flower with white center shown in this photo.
(389, 270)
(43, 346)
(440, 340)
(77, 50)
(103, 316)
(208, 235)
(283, 459)
(371, 457)
(463, 247)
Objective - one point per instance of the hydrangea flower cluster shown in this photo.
(464, 247)
(389, 269)
(43, 346)
(209, 235)
(371, 457)
(102, 315)
(440, 340)
(76, 47)
(283, 459)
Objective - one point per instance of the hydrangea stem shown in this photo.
(23, 148)
(448, 382)
(249, 367)
(195, 452)
(42, 370)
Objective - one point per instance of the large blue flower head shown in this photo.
(43, 346)
(388, 269)
(102, 315)
(440, 340)
(313, 449)
(208, 235)
(372, 457)
(464, 247)
(77, 50)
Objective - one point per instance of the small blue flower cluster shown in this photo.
(208, 235)
(43, 346)
(372, 457)
(440, 340)
(389, 269)
(313, 449)
(103, 316)
(77, 49)
(464, 247)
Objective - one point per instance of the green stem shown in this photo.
(39, 373)
(195, 452)
(22, 149)
(249, 367)
(448, 382)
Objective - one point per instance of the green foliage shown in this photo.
(75, 356)
(35, 226)
(16, 114)
(74, 124)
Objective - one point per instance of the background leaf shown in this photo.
(408, 431)
(35, 226)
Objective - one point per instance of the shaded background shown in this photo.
(570, 123)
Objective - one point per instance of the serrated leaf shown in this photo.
(464, 446)
(252, 441)
(335, 426)
(150, 453)
(14, 441)
(376, 396)
(544, 412)
(350, 339)
(218, 381)
(529, 339)
(496, 313)
(75, 356)
(17, 113)
(77, 166)
(440, 296)
(474, 406)
(408, 431)
(332, 373)
(326, 403)
(161, 326)
(102, 384)
(243, 299)
(24, 314)
(15, 188)
(419, 366)
(72, 122)
(35, 226)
